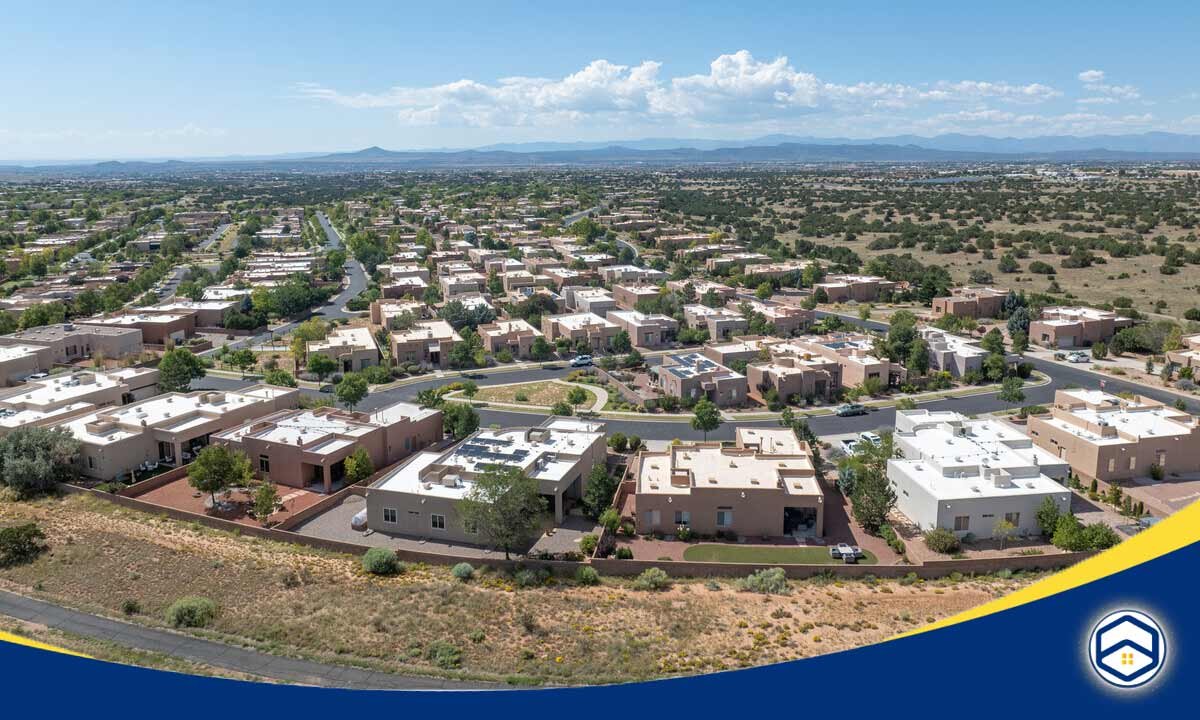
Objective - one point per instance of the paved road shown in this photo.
(575, 217)
(215, 654)
(215, 236)
(334, 309)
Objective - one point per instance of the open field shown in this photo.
(545, 394)
(295, 601)
(759, 554)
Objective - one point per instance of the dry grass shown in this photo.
(545, 394)
(295, 601)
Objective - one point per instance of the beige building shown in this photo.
(69, 342)
(308, 448)
(855, 288)
(795, 376)
(597, 301)
(854, 352)
(627, 297)
(785, 319)
(764, 487)
(1066, 327)
(352, 348)
(420, 497)
(1188, 355)
(721, 323)
(18, 362)
(385, 312)
(515, 336)
(166, 428)
(58, 397)
(426, 343)
(593, 330)
(691, 376)
(970, 303)
(645, 331)
(157, 327)
(1108, 438)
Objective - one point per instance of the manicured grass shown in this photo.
(762, 554)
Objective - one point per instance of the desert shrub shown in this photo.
(377, 375)
(526, 578)
(587, 544)
(192, 612)
(444, 655)
(888, 533)
(624, 553)
(941, 540)
(587, 575)
(610, 519)
(463, 571)
(652, 579)
(684, 533)
(20, 544)
(770, 581)
(131, 607)
(381, 561)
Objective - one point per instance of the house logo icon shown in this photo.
(1127, 648)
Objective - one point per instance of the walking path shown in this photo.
(216, 654)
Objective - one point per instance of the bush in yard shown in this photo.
(624, 553)
(941, 540)
(131, 607)
(192, 612)
(888, 533)
(587, 575)
(652, 579)
(587, 544)
(381, 561)
(527, 578)
(21, 544)
(610, 519)
(444, 655)
(463, 571)
(771, 581)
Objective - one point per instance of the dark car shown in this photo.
(850, 409)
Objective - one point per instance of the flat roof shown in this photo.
(709, 466)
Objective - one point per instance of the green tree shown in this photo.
(1011, 390)
(1020, 342)
(621, 342)
(706, 417)
(1047, 517)
(1100, 350)
(430, 398)
(872, 497)
(918, 357)
(217, 468)
(266, 499)
(601, 488)
(576, 396)
(322, 366)
(540, 349)
(279, 376)
(35, 459)
(177, 369)
(469, 389)
(459, 420)
(505, 506)
(351, 390)
(1002, 529)
(358, 466)
(242, 360)
(993, 341)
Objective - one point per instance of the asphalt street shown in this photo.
(216, 654)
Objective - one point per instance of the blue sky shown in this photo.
(123, 80)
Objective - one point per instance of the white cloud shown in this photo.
(738, 88)
(1094, 82)
(1091, 76)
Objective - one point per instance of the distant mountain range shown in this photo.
(779, 149)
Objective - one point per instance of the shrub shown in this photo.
(652, 579)
(941, 540)
(377, 375)
(587, 575)
(463, 571)
(635, 442)
(192, 612)
(624, 553)
(610, 519)
(381, 561)
(444, 655)
(131, 607)
(618, 442)
(683, 533)
(1156, 472)
(587, 544)
(771, 581)
(888, 533)
(526, 578)
(20, 544)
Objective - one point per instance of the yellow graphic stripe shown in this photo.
(1176, 531)
(18, 640)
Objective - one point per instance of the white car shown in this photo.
(849, 445)
(870, 437)
(581, 361)
(1078, 357)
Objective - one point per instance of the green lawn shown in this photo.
(764, 554)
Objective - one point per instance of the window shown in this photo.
(1132, 461)
(1112, 464)
(962, 523)
(407, 444)
(683, 517)
(1014, 518)
(91, 461)
(264, 464)
(389, 515)
(437, 522)
(652, 517)
(724, 518)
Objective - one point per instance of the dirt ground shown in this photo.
(296, 601)
(545, 394)
(181, 496)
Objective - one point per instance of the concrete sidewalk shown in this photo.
(208, 652)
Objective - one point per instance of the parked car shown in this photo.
(581, 361)
(870, 437)
(849, 445)
(1060, 356)
(850, 409)
(1078, 357)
